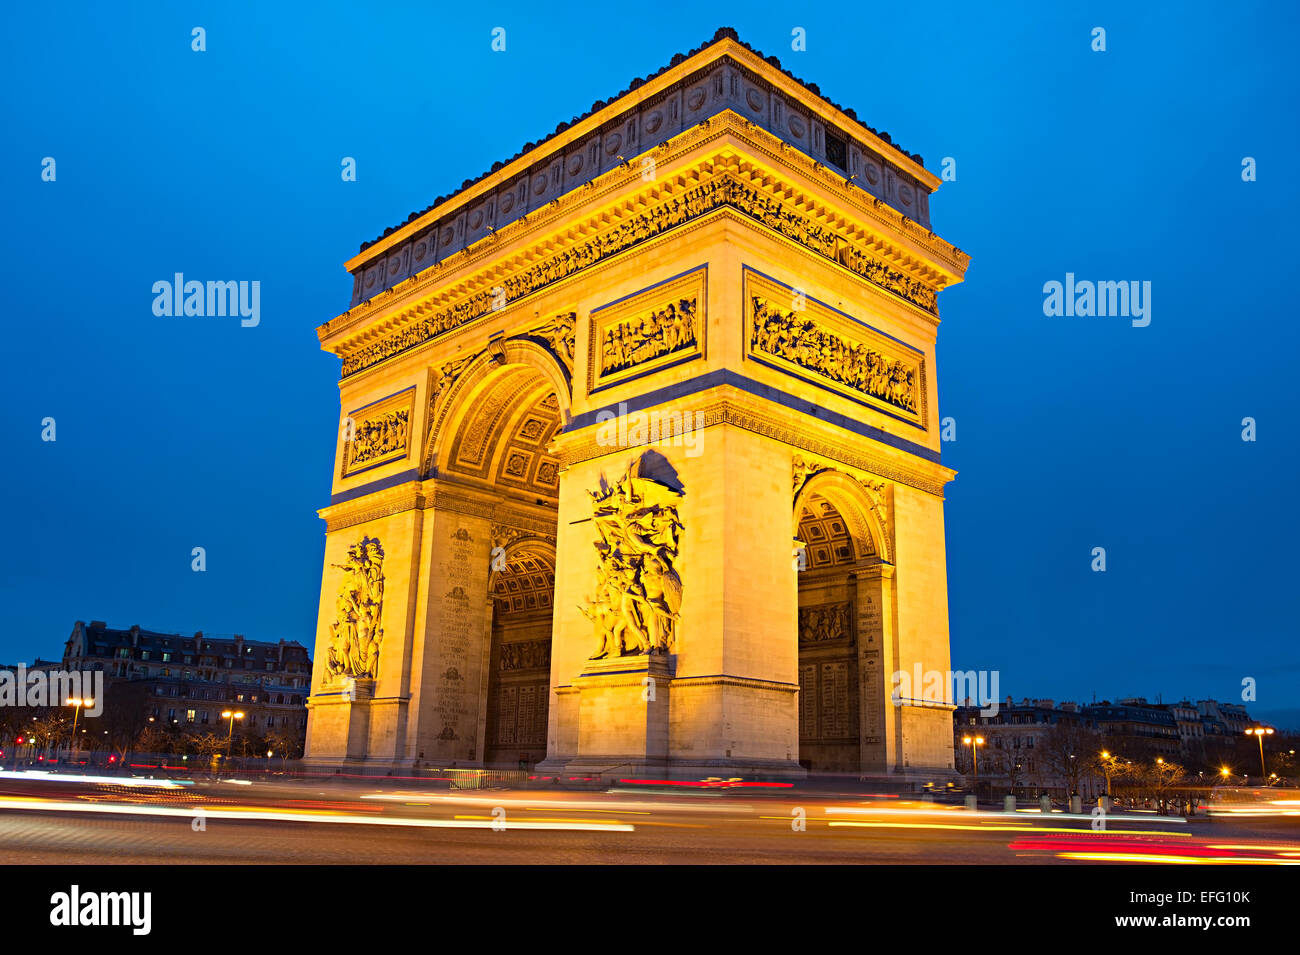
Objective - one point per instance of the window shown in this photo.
(270, 665)
(239, 698)
(166, 658)
(189, 716)
(203, 717)
(836, 152)
(171, 716)
(144, 654)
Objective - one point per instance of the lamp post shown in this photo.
(231, 715)
(1108, 767)
(974, 742)
(1259, 732)
(77, 703)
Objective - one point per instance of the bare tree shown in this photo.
(1067, 752)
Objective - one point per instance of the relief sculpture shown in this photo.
(825, 623)
(638, 589)
(357, 632)
(858, 366)
(660, 332)
(561, 334)
(379, 436)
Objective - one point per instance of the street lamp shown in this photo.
(974, 742)
(1260, 732)
(231, 715)
(77, 703)
(1108, 767)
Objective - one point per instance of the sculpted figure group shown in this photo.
(376, 437)
(357, 633)
(638, 590)
(819, 624)
(796, 339)
(657, 333)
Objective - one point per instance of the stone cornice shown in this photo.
(535, 521)
(728, 405)
(690, 68)
(474, 271)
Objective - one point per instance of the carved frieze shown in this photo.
(529, 655)
(826, 623)
(657, 326)
(378, 433)
(849, 356)
(638, 587)
(724, 190)
(357, 632)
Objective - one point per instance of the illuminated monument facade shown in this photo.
(638, 460)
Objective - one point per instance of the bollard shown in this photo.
(971, 803)
(1009, 804)
(1045, 804)
(1076, 805)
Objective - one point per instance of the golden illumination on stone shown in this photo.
(752, 283)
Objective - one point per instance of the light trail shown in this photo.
(271, 815)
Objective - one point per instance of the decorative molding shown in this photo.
(728, 122)
(725, 189)
(741, 412)
(372, 507)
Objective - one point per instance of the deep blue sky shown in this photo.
(1072, 433)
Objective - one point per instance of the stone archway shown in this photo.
(844, 643)
(494, 480)
(460, 384)
(522, 589)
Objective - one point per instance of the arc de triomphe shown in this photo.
(638, 465)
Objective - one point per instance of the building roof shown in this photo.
(98, 633)
(724, 33)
